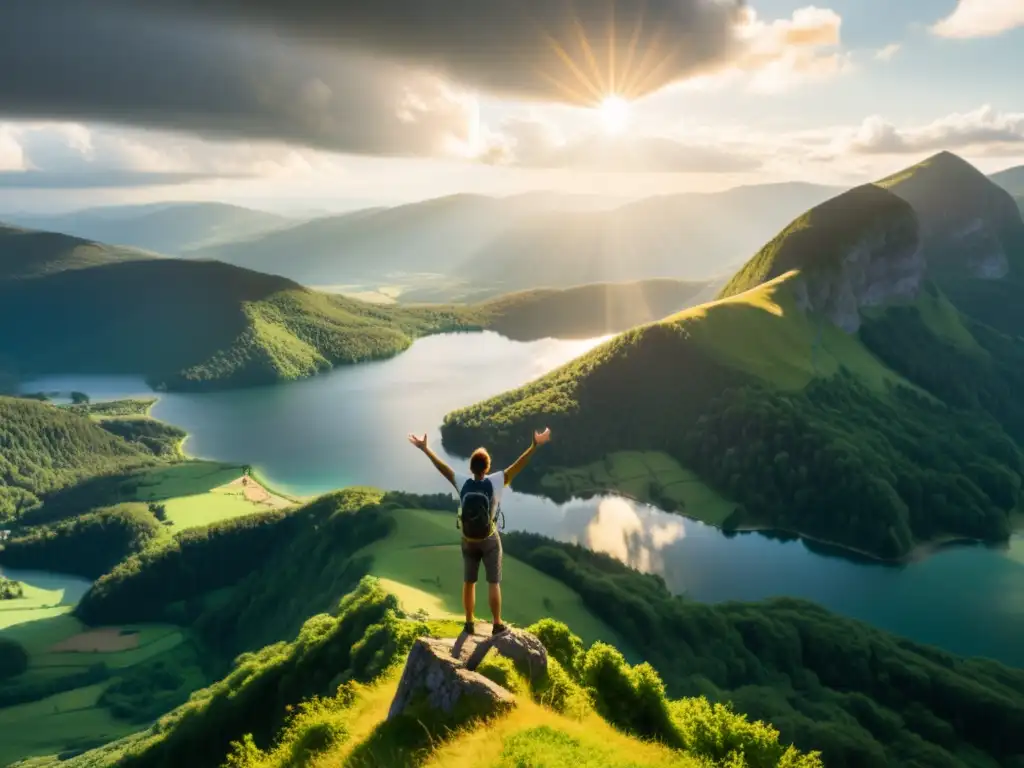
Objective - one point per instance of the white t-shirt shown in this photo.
(497, 483)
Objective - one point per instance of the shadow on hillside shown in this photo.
(185, 479)
(405, 742)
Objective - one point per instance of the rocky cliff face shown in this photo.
(969, 225)
(885, 264)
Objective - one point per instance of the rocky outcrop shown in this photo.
(525, 650)
(433, 676)
(883, 265)
(443, 673)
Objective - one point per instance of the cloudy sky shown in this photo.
(340, 103)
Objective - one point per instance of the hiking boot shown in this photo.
(469, 628)
(498, 629)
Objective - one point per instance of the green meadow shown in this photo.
(198, 493)
(421, 564)
(650, 477)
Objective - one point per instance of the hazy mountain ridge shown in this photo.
(531, 240)
(28, 253)
(171, 229)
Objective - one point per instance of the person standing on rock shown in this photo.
(479, 501)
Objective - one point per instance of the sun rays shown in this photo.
(608, 71)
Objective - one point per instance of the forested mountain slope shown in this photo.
(805, 394)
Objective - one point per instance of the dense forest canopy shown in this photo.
(44, 449)
(88, 545)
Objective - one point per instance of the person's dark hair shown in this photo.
(480, 462)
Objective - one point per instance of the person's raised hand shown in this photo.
(419, 442)
(539, 438)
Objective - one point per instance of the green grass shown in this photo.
(193, 494)
(69, 720)
(110, 409)
(632, 473)
(942, 319)
(762, 333)
(38, 604)
(421, 564)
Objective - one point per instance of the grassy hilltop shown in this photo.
(316, 673)
(765, 406)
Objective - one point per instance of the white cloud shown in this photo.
(536, 143)
(775, 56)
(12, 158)
(888, 52)
(981, 18)
(55, 155)
(985, 129)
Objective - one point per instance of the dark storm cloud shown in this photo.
(350, 75)
(515, 46)
(64, 59)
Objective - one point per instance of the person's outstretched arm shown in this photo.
(444, 469)
(539, 438)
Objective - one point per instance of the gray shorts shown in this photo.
(488, 550)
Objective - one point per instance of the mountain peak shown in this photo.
(859, 248)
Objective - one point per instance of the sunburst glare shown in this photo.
(614, 112)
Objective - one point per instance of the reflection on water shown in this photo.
(616, 529)
(349, 427)
(63, 589)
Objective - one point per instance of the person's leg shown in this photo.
(494, 601)
(492, 565)
(469, 599)
(471, 556)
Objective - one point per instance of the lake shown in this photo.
(349, 427)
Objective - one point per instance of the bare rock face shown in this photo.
(431, 672)
(883, 266)
(986, 257)
(525, 650)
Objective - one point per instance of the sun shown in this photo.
(614, 112)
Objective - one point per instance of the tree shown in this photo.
(79, 398)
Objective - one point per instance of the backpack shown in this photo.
(476, 508)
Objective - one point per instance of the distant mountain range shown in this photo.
(171, 229)
(527, 241)
(1012, 180)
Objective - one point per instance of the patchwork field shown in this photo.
(202, 492)
(63, 722)
(421, 564)
(61, 650)
(649, 477)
